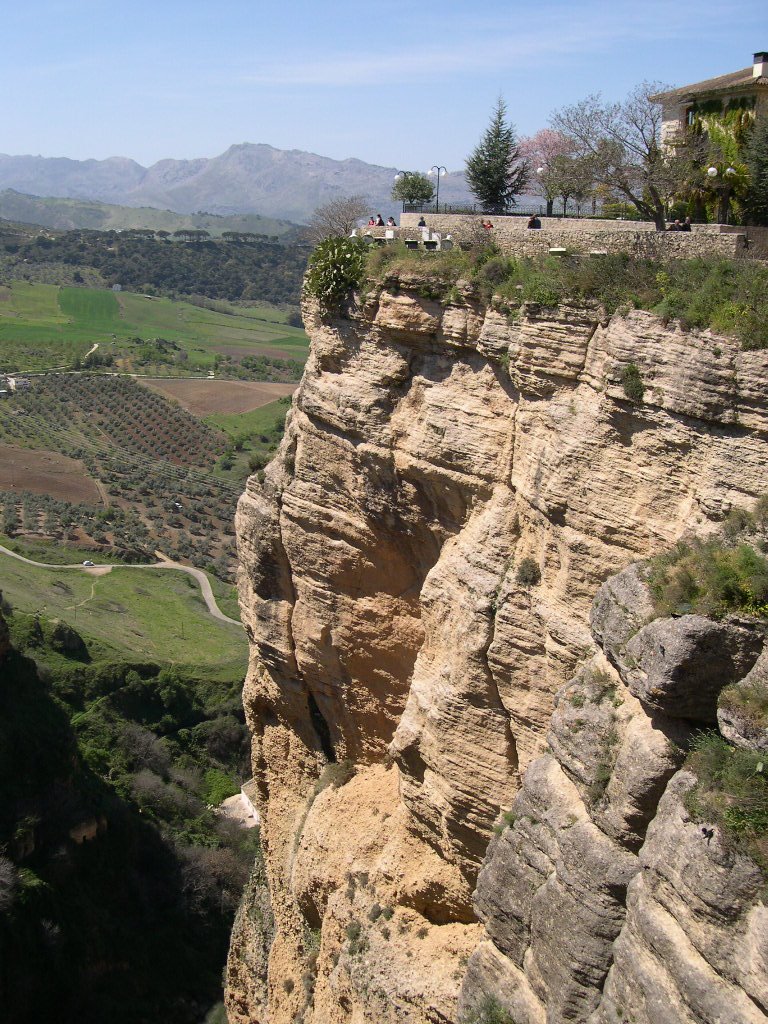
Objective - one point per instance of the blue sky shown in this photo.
(404, 84)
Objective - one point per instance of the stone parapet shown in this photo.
(576, 235)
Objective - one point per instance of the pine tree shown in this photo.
(495, 170)
(757, 162)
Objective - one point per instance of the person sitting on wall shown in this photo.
(422, 223)
(371, 221)
(686, 225)
(487, 225)
(534, 222)
(677, 226)
(379, 221)
(391, 222)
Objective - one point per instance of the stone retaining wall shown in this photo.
(639, 238)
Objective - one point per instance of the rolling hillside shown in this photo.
(61, 214)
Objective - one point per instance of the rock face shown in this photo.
(403, 673)
(603, 900)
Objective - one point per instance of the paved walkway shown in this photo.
(163, 563)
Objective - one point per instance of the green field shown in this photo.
(43, 326)
(254, 435)
(257, 421)
(158, 615)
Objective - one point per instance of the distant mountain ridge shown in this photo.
(247, 178)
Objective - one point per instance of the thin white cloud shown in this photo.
(585, 29)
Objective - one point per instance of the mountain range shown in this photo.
(247, 178)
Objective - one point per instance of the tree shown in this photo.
(496, 170)
(540, 151)
(623, 141)
(571, 177)
(413, 187)
(337, 218)
(757, 163)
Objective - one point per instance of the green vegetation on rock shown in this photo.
(732, 792)
(730, 297)
(336, 266)
(632, 383)
(716, 576)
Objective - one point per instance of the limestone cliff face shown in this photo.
(603, 900)
(403, 679)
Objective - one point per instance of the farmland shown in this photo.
(105, 462)
(44, 326)
(153, 459)
(45, 472)
(212, 397)
(156, 615)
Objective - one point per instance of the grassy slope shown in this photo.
(259, 432)
(42, 325)
(137, 613)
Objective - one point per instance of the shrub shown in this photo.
(632, 383)
(710, 578)
(489, 1011)
(749, 699)
(219, 786)
(528, 573)
(336, 266)
(358, 942)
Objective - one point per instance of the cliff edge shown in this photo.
(456, 483)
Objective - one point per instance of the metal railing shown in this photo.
(479, 210)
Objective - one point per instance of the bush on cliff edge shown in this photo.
(335, 267)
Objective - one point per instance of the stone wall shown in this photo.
(638, 238)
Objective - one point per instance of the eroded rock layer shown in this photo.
(406, 655)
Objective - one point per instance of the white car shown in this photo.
(88, 563)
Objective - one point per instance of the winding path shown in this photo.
(164, 563)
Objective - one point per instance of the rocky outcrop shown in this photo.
(405, 665)
(742, 710)
(604, 901)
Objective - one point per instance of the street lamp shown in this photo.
(723, 190)
(439, 171)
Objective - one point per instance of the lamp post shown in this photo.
(439, 171)
(723, 190)
(399, 175)
(539, 172)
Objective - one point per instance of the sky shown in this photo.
(401, 83)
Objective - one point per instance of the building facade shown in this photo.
(740, 90)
